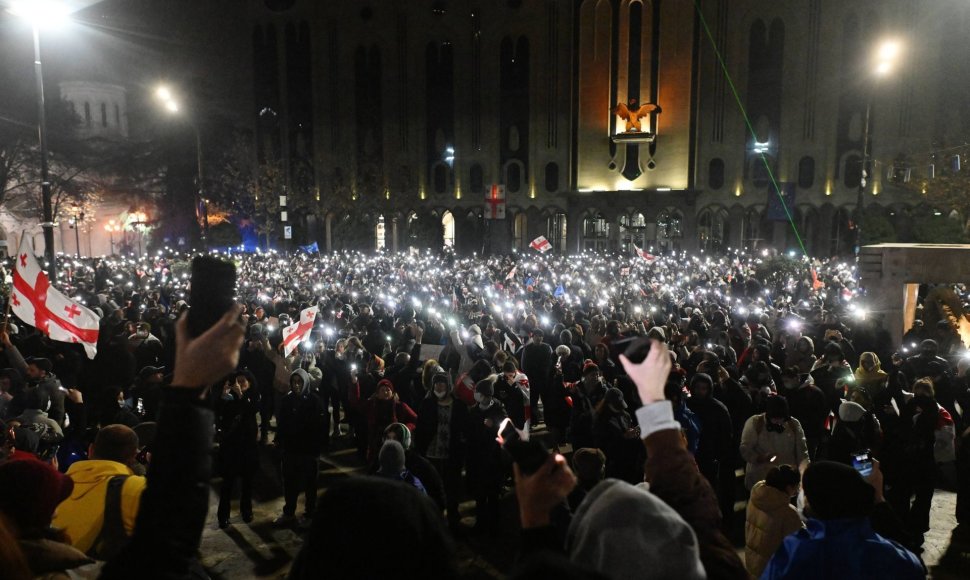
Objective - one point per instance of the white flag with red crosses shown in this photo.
(299, 331)
(38, 304)
(541, 245)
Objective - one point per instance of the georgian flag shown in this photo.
(38, 304)
(541, 245)
(645, 255)
(299, 331)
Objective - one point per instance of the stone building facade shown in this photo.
(409, 112)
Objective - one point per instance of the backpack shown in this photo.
(112, 537)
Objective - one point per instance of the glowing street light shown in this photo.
(887, 54)
(165, 95)
(46, 14)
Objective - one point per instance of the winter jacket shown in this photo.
(300, 423)
(788, 447)
(770, 518)
(238, 433)
(802, 356)
(808, 404)
(427, 427)
(846, 548)
(82, 514)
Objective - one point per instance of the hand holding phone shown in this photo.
(862, 462)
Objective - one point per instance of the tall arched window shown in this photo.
(715, 173)
(513, 177)
(552, 177)
(380, 233)
(476, 182)
(806, 172)
(440, 178)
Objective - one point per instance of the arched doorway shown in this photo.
(380, 233)
(669, 230)
(632, 232)
(843, 233)
(520, 229)
(596, 233)
(556, 231)
(448, 226)
(712, 229)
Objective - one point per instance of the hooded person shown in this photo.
(380, 410)
(618, 520)
(856, 430)
(586, 395)
(802, 356)
(485, 468)
(808, 404)
(441, 436)
(838, 540)
(715, 449)
(416, 464)
(772, 438)
(32, 491)
(422, 547)
(392, 465)
(512, 389)
(869, 375)
(300, 425)
(615, 432)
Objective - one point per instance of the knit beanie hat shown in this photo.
(385, 383)
(590, 367)
(32, 490)
(850, 412)
(391, 458)
(837, 491)
(618, 519)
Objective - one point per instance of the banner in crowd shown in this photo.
(299, 331)
(38, 304)
(541, 244)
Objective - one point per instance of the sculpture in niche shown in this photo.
(632, 114)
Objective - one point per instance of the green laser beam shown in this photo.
(747, 122)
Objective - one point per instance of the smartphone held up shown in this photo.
(212, 293)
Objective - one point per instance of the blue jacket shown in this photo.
(841, 549)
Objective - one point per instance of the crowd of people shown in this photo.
(766, 365)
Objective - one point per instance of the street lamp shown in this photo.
(47, 13)
(112, 227)
(75, 222)
(171, 104)
(885, 58)
(138, 221)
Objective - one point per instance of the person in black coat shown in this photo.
(537, 363)
(715, 449)
(416, 464)
(441, 435)
(615, 433)
(302, 420)
(238, 438)
(486, 470)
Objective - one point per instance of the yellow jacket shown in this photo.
(770, 518)
(82, 514)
